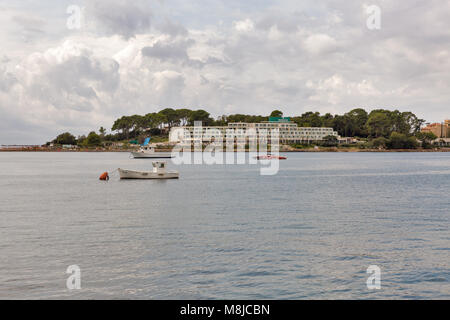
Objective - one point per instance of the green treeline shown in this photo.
(382, 128)
(356, 123)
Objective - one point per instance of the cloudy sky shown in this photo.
(225, 56)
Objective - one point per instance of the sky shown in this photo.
(224, 56)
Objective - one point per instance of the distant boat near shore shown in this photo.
(148, 152)
(270, 157)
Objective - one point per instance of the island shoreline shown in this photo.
(324, 150)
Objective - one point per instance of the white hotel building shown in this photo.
(289, 132)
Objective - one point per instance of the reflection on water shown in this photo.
(226, 232)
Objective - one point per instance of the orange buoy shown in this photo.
(104, 176)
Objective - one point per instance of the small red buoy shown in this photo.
(104, 176)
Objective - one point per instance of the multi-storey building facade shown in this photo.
(440, 130)
(289, 132)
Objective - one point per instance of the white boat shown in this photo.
(159, 172)
(148, 152)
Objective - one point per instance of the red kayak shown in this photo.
(271, 157)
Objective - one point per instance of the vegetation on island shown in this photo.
(379, 129)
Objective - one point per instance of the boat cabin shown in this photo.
(159, 166)
(146, 149)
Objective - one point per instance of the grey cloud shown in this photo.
(285, 22)
(174, 52)
(70, 84)
(77, 70)
(125, 18)
(168, 51)
(7, 80)
(31, 27)
(28, 21)
(172, 29)
(15, 130)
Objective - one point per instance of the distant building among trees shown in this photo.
(381, 128)
(440, 130)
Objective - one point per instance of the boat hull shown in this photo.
(131, 174)
(270, 158)
(152, 155)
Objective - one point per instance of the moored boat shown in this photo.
(147, 152)
(270, 157)
(159, 172)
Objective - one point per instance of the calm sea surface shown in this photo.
(226, 232)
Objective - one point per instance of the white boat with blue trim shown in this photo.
(146, 151)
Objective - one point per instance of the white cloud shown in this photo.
(246, 25)
(336, 89)
(320, 43)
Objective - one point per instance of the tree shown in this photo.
(330, 141)
(129, 124)
(401, 141)
(309, 119)
(200, 115)
(339, 125)
(328, 120)
(426, 138)
(81, 140)
(221, 121)
(355, 122)
(411, 124)
(65, 138)
(276, 114)
(379, 124)
(380, 142)
(171, 117)
(183, 116)
(102, 131)
(93, 140)
(244, 118)
(154, 120)
(123, 124)
(137, 124)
